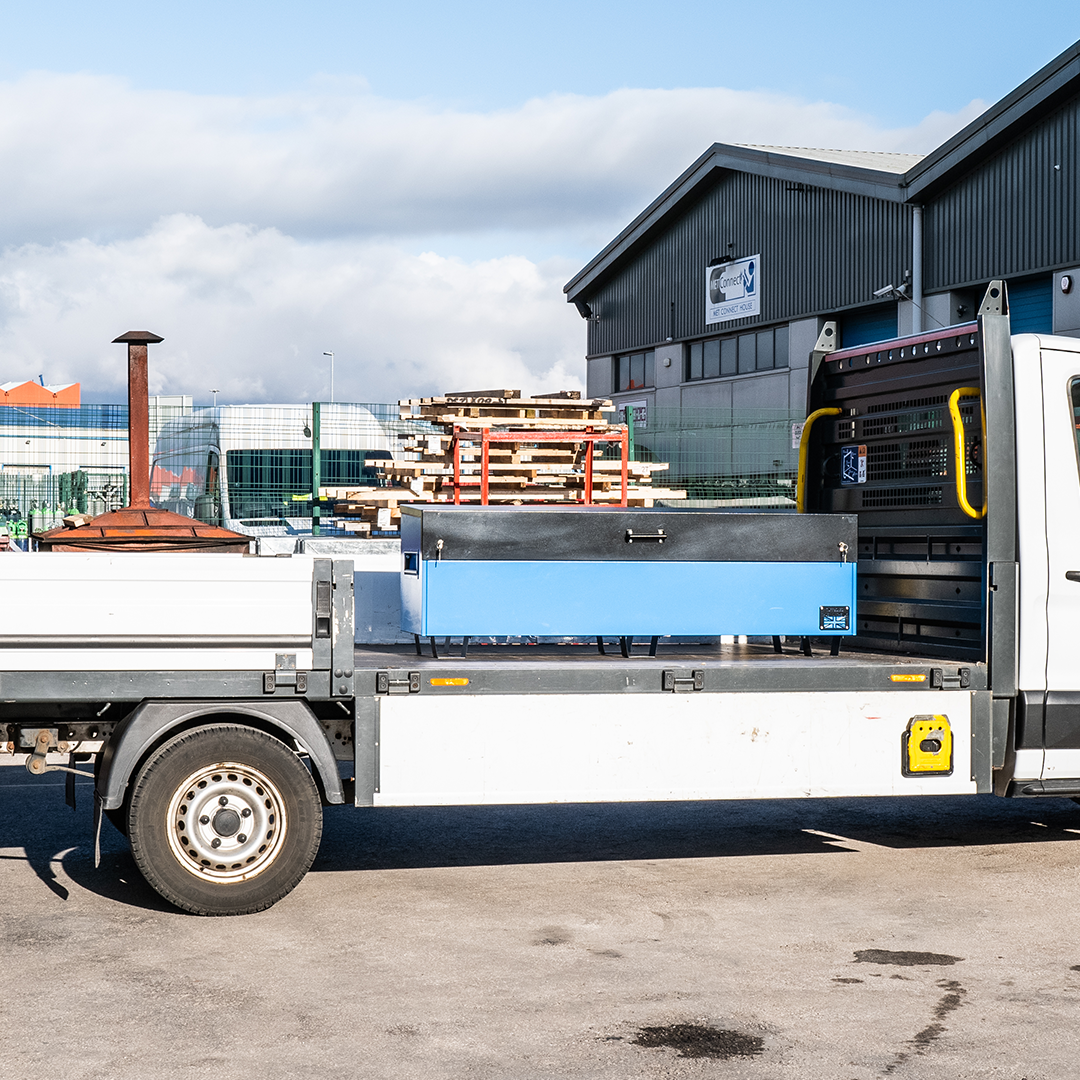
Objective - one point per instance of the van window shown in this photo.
(272, 485)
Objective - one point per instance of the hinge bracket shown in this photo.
(681, 683)
(384, 684)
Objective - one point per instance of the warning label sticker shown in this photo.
(852, 465)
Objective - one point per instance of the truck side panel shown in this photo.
(519, 749)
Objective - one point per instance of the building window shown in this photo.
(635, 370)
(739, 354)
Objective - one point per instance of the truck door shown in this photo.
(1061, 427)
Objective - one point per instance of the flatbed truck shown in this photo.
(221, 701)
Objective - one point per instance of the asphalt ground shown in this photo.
(839, 939)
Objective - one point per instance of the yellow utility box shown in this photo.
(926, 747)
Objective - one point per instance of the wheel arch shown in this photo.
(152, 722)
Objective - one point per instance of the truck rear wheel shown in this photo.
(224, 820)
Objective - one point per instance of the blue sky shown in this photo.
(410, 184)
(897, 62)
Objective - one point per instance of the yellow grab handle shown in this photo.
(804, 450)
(960, 455)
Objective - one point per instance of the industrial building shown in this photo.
(710, 301)
(58, 454)
(247, 466)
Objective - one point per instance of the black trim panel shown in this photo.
(600, 534)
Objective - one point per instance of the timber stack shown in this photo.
(440, 458)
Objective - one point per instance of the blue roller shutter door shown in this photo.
(1031, 306)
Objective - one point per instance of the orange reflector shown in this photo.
(908, 678)
(449, 682)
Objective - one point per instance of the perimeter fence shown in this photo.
(252, 465)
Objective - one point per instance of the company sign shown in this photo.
(638, 411)
(733, 291)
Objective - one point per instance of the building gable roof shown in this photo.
(839, 170)
(1046, 90)
(904, 178)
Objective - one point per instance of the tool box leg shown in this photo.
(464, 647)
(834, 647)
(416, 638)
(434, 650)
(776, 646)
(807, 650)
(653, 641)
(600, 644)
(626, 645)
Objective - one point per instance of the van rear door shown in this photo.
(1060, 377)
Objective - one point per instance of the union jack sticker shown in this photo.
(834, 618)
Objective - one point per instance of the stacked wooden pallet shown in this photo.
(519, 470)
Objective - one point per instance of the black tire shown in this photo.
(224, 820)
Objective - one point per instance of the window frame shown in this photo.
(739, 354)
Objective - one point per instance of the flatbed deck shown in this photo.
(570, 668)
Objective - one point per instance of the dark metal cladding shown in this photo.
(542, 534)
(1019, 213)
(821, 250)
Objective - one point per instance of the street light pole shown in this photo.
(331, 355)
(215, 393)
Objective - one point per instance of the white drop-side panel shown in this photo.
(141, 593)
(136, 659)
(437, 750)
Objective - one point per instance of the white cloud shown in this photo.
(87, 155)
(256, 232)
(250, 311)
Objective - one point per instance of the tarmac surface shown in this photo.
(834, 939)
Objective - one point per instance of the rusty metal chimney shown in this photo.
(140, 526)
(138, 415)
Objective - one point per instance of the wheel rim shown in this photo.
(226, 822)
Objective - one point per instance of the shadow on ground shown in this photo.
(37, 828)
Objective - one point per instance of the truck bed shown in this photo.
(561, 669)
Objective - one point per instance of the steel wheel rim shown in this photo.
(210, 805)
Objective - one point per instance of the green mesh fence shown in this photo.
(723, 457)
(34, 500)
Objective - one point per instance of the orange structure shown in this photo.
(62, 395)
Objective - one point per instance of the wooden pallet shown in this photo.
(519, 472)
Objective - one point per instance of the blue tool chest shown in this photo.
(474, 571)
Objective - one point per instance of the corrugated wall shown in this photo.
(820, 250)
(1016, 214)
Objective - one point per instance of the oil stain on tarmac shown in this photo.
(700, 1041)
(905, 959)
